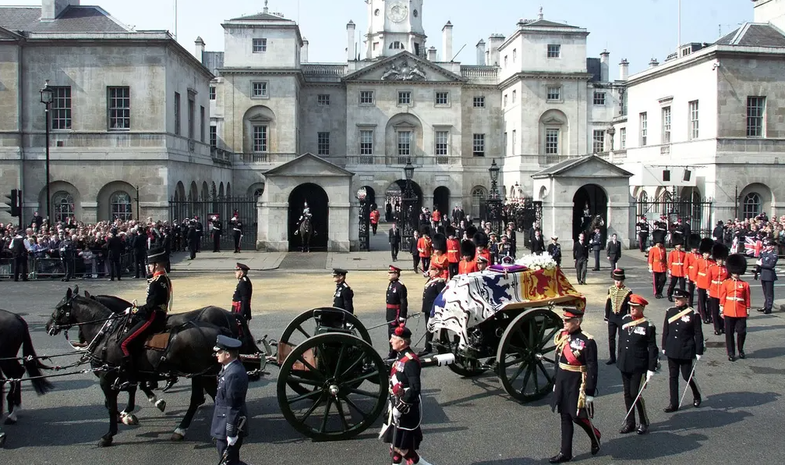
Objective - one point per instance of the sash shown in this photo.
(681, 314)
(634, 323)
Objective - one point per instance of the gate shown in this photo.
(224, 207)
(523, 212)
(697, 211)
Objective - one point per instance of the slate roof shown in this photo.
(546, 23)
(74, 19)
(566, 165)
(261, 17)
(754, 35)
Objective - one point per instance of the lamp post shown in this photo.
(362, 195)
(408, 204)
(46, 99)
(494, 201)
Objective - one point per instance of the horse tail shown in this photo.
(34, 366)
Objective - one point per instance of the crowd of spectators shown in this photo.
(750, 234)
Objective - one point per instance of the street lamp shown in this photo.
(494, 201)
(408, 205)
(47, 96)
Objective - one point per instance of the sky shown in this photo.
(637, 30)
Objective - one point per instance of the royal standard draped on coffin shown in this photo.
(470, 299)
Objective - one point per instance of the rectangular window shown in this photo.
(505, 100)
(258, 89)
(442, 98)
(478, 145)
(212, 92)
(554, 93)
(404, 143)
(366, 142)
(514, 140)
(119, 106)
(323, 143)
(404, 98)
(442, 142)
(551, 141)
(323, 100)
(60, 109)
(479, 102)
(694, 125)
(622, 138)
(644, 123)
(191, 115)
(756, 108)
(176, 113)
(514, 54)
(260, 138)
(213, 136)
(505, 142)
(554, 50)
(599, 98)
(259, 45)
(201, 124)
(598, 141)
(514, 96)
(366, 97)
(666, 125)
(505, 61)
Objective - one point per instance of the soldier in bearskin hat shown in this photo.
(468, 264)
(424, 248)
(453, 251)
(691, 267)
(481, 241)
(658, 265)
(702, 277)
(735, 304)
(676, 269)
(717, 274)
(439, 256)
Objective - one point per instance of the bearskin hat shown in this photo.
(695, 239)
(736, 264)
(439, 242)
(425, 231)
(705, 245)
(480, 239)
(468, 249)
(450, 231)
(677, 240)
(719, 251)
(471, 230)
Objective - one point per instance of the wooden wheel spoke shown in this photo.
(361, 392)
(525, 377)
(544, 372)
(304, 332)
(311, 409)
(544, 342)
(362, 378)
(353, 366)
(308, 395)
(523, 338)
(341, 415)
(351, 404)
(312, 368)
(518, 373)
(299, 380)
(510, 363)
(533, 369)
(326, 415)
(549, 360)
(340, 359)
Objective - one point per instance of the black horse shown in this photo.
(305, 231)
(13, 335)
(189, 353)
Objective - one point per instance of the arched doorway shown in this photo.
(394, 195)
(597, 200)
(441, 199)
(318, 202)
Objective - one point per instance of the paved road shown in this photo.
(467, 421)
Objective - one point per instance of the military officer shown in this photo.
(217, 230)
(344, 295)
(682, 343)
(229, 425)
(766, 263)
(241, 300)
(642, 228)
(482, 263)
(575, 383)
(397, 303)
(637, 359)
(616, 306)
(433, 287)
(735, 304)
(676, 269)
(237, 233)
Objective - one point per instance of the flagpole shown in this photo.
(679, 44)
(175, 19)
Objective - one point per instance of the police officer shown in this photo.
(642, 228)
(230, 417)
(397, 303)
(217, 230)
(237, 232)
(575, 383)
(637, 359)
(433, 287)
(682, 343)
(344, 296)
(616, 306)
(241, 300)
(766, 263)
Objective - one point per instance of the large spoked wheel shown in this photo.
(304, 326)
(347, 386)
(463, 365)
(526, 356)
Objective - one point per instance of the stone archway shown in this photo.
(597, 200)
(318, 202)
(441, 199)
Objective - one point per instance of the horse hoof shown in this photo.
(105, 442)
(161, 404)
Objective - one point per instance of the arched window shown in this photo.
(752, 205)
(643, 203)
(258, 192)
(479, 194)
(63, 204)
(396, 45)
(120, 206)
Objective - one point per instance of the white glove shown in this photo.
(649, 374)
(697, 357)
(402, 320)
(231, 440)
(396, 415)
(589, 400)
(663, 351)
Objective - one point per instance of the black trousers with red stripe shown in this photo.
(567, 431)
(133, 339)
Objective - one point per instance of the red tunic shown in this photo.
(657, 260)
(717, 274)
(735, 300)
(676, 260)
(465, 267)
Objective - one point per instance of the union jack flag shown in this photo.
(753, 246)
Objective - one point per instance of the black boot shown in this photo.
(740, 338)
(127, 374)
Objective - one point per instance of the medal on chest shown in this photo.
(685, 318)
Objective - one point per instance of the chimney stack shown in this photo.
(654, 63)
(350, 54)
(199, 52)
(304, 51)
(481, 53)
(624, 69)
(494, 42)
(51, 9)
(432, 54)
(447, 42)
(605, 58)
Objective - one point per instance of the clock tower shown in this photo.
(394, 26)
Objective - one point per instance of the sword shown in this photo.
(225, 454)
(692, 373)
(589, 416)
(640, 393)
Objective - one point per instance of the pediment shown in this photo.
(590, 166)
(6, 34)
(308, 165)
(403, 68)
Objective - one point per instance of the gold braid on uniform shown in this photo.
(617, 295)
(561, 340)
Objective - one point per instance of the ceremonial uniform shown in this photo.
(702, 280)
(580, 252)
(237, 232)
(430, 292)
(344, 297)
(241, 300)
(768, 260)
(453, 252)
(735, 304)
(637, 357)
(682, 341)
(642, 228)
(230, 410)
(658, 267)
(616, 306)
(468, 249)
(217, 230)
(575, 380)
(404, 433)
(425, 251)
(397, 305)
(676, 260)
(717, 275)
(690, 267)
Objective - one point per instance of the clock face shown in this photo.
(398, 12)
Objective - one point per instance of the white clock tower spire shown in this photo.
(395, 26)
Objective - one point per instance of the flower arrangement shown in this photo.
(537, 262)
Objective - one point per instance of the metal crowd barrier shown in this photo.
(45, 267)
